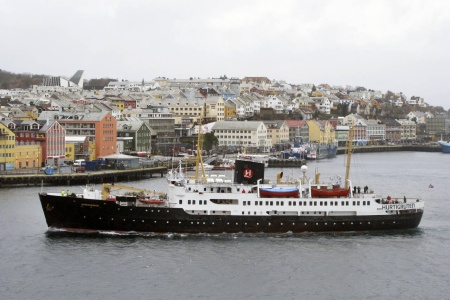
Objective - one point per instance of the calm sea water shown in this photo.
(412, 264)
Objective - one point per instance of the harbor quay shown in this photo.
(370, 149)
(103, 176)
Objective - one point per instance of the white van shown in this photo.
(78, 162)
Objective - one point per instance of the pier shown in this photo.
(371, 149)
(104, 176)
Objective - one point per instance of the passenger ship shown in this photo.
(248, 203)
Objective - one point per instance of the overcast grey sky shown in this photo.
(402, 46)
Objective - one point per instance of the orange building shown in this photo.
(99, 126)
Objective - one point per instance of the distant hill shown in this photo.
(10, 80)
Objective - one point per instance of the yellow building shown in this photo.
(70, 151)
(32, 111)
(321, 132)
(7, 145)
(118, 102)
(229, 110)
(27, 156)
(277, 132)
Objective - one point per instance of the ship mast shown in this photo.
(349, 147)
(199, 158)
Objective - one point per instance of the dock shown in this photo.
(104, 176)
(371, 149)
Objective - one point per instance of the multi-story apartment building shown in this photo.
(49, 135)
(277, 132)
(376, 130)
(159, 118)
(393, 131)
(99, 126)
(298, 131)
(239, 135)
(135, 135)
(438, 125)
(407, 130)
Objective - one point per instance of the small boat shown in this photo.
(445, 146)
(327, 192)
(278, 192)
(205, 167)
(151, 200)
(225, 164)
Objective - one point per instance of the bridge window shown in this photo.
(189, 201)
(180, 201)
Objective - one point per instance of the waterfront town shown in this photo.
(63, 120)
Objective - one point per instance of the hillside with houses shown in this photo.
(64, 119)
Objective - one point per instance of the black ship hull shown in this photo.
(84, 215)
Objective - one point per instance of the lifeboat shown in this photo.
(325, 192)
(279, 192)
(154, 201)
